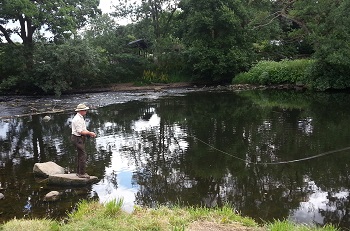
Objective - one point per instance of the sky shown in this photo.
(105, 6)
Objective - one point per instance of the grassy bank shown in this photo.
(271, 72)
(95, 216)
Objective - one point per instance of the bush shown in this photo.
(324, 75)
(63, 67)
(271, 72)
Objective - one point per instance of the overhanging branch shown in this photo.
(6, 35)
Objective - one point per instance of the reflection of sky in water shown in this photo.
(117, 183)
(4, 127)
(120, 168)
(309, 210)
(141, 125)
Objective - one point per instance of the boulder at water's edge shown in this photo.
(70, 179)
(47, 169)
(55, 175)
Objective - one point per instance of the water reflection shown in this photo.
(150, 152)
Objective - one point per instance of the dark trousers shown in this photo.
(79, 143)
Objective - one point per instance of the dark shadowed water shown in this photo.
(196, 148)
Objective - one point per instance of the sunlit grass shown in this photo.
(287, 226)
(30, 225)
(95, 216)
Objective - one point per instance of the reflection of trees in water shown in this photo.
(29, 140)
(203, 176)
(168, 173)
(340, 215)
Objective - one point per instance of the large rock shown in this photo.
(70, 179)
(47, 169)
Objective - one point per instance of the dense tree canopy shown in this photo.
(217, 37)
(62, 18)
(207, 42)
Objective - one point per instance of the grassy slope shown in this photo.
(95, 216)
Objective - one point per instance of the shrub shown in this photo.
(325, 75)
(271, 72)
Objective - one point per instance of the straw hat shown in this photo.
(81, 107)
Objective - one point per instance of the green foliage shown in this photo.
(92, 216)
(332, 36)
(271, 72)
(62, 67)
(325, 76)
(324, 24)
(9, 83)
(113, 207)
(30, 225)
(206, 41)
(121, 62)
(154, 77)
(11, 66)
(217, 38)
(61, 18)
(157, 14)
(287, 225)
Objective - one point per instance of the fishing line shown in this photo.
(274, 163)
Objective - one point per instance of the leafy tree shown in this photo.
(325, 25)
(62, 18)
(158, 13)
(12, 66)
(331, 36)
(121, 63)
(59, 68)
(156, 21)
(218, 40)
(278, 35)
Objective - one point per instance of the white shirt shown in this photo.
(78, 125)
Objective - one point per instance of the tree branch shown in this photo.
(6, 34)
(276, 15)
(300, 23)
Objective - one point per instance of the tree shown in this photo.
(156, 22)
(59, 68)
(121, 64)
(325, 25)
(61, 18)
(217, 38)
(158, 13)
(278, 34)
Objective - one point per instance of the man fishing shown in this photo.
(79, 134)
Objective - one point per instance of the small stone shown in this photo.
(2, 196)
(52, 196)
(47, 118)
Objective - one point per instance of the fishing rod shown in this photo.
(274, 163)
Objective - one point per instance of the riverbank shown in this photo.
(95, 216)
(132, 87)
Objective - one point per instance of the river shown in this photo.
(270, 154)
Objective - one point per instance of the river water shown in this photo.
(270, 154)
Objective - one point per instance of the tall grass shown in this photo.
(271, 72)
(288, 226)
(95, 216)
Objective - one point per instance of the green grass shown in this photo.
(95, 216)
(287, 226)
